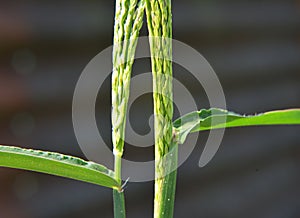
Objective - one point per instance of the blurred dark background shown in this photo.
(254, 47)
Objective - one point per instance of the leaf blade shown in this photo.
(202, 120)
(57, 164)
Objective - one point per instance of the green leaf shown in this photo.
(57, 164)
(217, 118)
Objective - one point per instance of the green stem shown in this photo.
(118, 195)
(119, 204)
(118, 168)
(128, 22)
(165, 187)
(159, 20)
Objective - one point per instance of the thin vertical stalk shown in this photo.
(128, 21)
(159, 20)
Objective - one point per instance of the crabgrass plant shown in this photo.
(128, 21)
